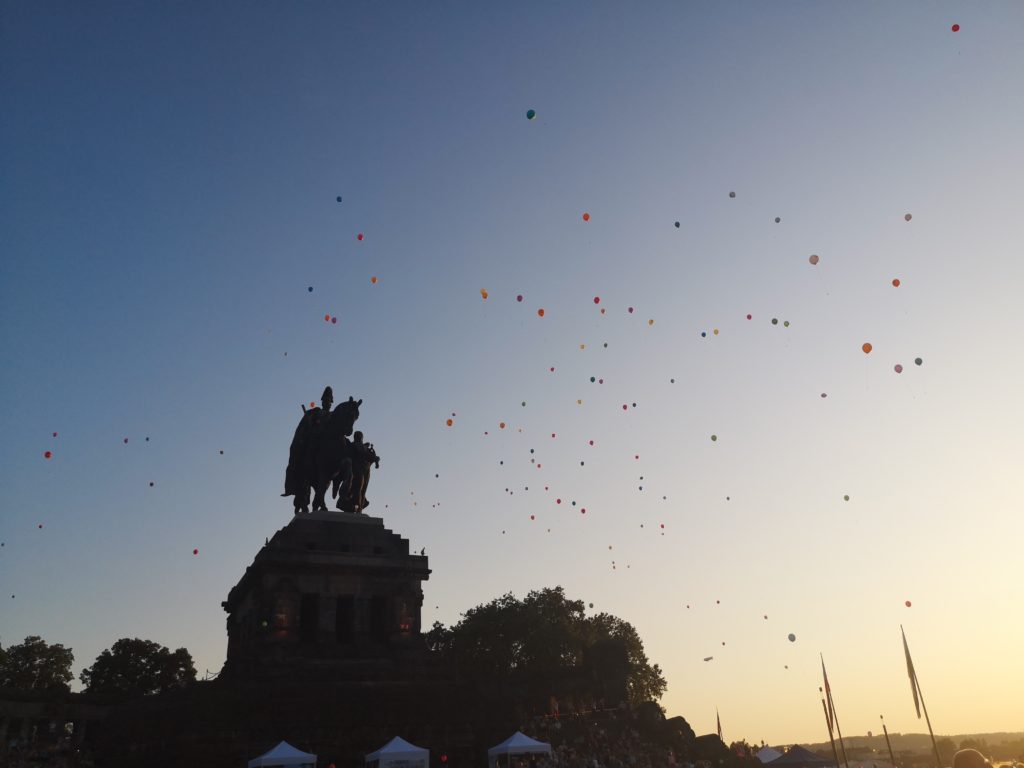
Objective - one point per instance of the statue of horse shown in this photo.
(332, 456)
(320, 452)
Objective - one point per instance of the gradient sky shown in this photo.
(169, 175)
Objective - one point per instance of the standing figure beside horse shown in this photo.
(352, 494)
(320, 452)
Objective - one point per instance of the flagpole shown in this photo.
(828, 722)
(885, 730)
(917, 688)
(835, 716)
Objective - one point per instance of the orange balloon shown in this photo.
(449, 422)
(501, 425)
(896, 282)
(483, 293)
(540, 313)
(373, 279)
(586, 217)
(866, 347)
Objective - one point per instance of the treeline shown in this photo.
(129, 668)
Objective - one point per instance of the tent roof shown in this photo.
(283, 754)
(519, 743)
(797, 755)
(398, 747)
(767, 754)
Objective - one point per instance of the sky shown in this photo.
(170, 175)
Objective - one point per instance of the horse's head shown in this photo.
(345, 415)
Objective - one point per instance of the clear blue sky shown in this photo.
(169, 175)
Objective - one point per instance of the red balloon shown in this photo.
(48, 455)
(597, 299)
(955, 28)
(195, 551)
(359, 236)
(907, 603)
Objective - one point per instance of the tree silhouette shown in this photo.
(546, 645)
(134, 667)
(35, 665)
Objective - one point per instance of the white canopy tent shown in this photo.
(284, 754)
(767, 754)
(517, 744)
(399, 753)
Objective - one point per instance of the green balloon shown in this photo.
(530, 114)
(918, 361)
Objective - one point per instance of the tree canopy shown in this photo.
(35, 665)
(547, 645)
(134, 667)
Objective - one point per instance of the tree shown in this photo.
(947, 748)
(138, 668)
(546, 644)
(35, 665)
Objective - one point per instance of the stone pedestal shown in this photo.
(332, 596)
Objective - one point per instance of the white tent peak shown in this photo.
(283, 754)
(518, 744)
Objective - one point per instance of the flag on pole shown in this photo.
(828, 696)
(718, 720)
(911, 674)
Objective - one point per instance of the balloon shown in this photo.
(792, 637)
(714, 438)
(732, 194)
(907, 217)
(586, 217)
(501, 425)
(310, 289)
(650, 322)
(677, 225)
(813, 259)
(151, 484)
(338, 198)
(866, 346)
(195, 551)
(40, 525)
(126, 441)
(48, 454)
(597, 299)
(359, 237)
(540, 313)
(918, 361)
(327, 318)
(703, 334)
(54, 434)
(715, 331)
(334, 320)
(449, 422)
(898, 368)
(846, 497)
(532, 517)
(786, 323)
(907, 603)
(373, 280)
(895, 282)
(955, 28)
(824, 395)
(483, 294)
(519, 297)
(530, 114)
(750, 317)
(777, 219)
(775, 321)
